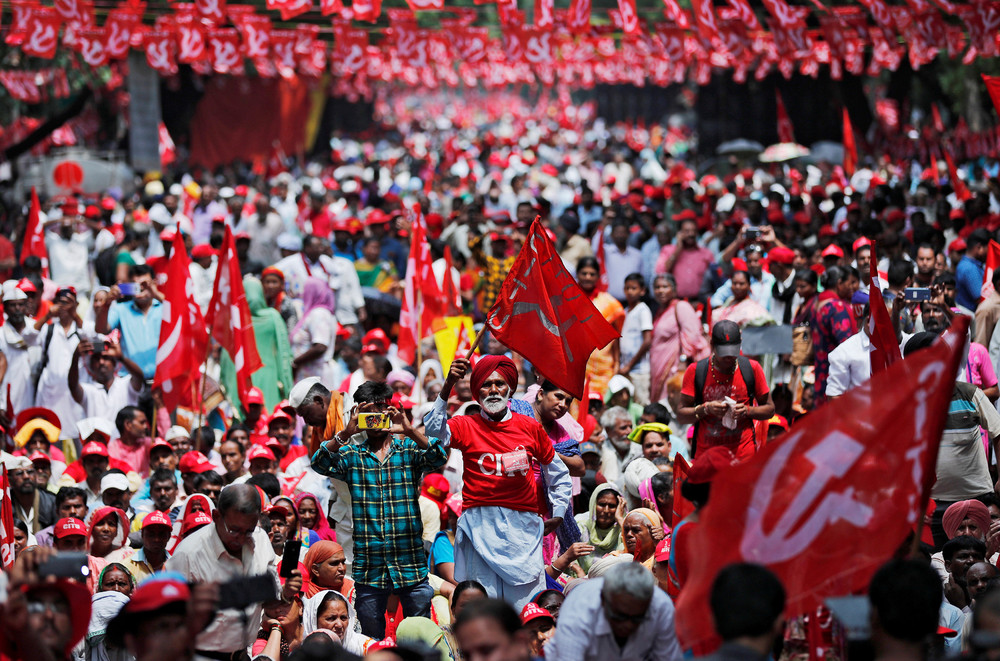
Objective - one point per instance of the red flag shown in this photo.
(183, 337)
(418, 272)
(827, 503)
(168, 151)
(786, 133)
(450, 291)
(464, 345)
(583, 407)
(961, 190)
(850, 148)
(993, 87)
(936, 116)
(602, 270)
(682, 506)
(992, 264)
(34, 235)
(6, 521)
(885, 347)
(228, 319)
(542, 314)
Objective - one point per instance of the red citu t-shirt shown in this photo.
(498, 459)
(711, 432)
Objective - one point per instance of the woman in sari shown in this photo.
(272, 279)
(832, 322)
(677, 332)
(274, 377)
(295, 528)
(314, 334)
(603, 363)
(107, 531)
(327, 566)
(601, 525)
(740, 308)
(642, 531)
(312, 516)
(329, 610)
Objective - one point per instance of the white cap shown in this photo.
(114, 481)
(12, 293)
(17, 463)
(617, 383)
(176, 432)
(288, 241)
(299, 392)
(227, 192)
(88, 426)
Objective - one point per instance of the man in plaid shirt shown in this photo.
(384, 476)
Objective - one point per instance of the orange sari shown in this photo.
(602, 364)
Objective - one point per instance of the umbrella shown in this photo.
(740, 146)
(827, 150)
(380, 303)
(783, 151)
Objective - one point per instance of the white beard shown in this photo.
(495, 404)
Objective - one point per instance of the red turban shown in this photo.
(966, 509)
(489, 364)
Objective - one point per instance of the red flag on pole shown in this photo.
(542, 314)
(682, 506)
(827, 503)
(602, 270)
(961, 190)
(993, 87)
(449, 289)
(850, 147)
(885, 347)
(183, 338)
(786, 133)
(583, 407)
(229, 320)
(992, 264)
(34, 235)
(418, 273)
(6, 521)
(936, 118)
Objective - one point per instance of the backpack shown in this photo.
(106, 266)
(701, 375)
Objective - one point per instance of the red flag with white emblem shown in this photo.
(6, 522)
(542, 314)
(827, 503)
(885, 347)
(418, 273)
(183, 338)
(34, 234)
(229, 320)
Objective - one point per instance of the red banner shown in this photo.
(6, 519)
(786, 132)
(850, 148)
(885, 347)
(992, 264)
(543, 314)
(682, 506)
(42, 32)
(35, 235)
(161, 51)
(827, 503)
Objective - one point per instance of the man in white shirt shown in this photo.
(338, 271)
(18, 340)
(851, 362)
(230, 549)
(620, 616)
(69, 256)
(109, 393)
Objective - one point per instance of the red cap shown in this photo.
(160, 443)
(781, 255)
(94, 448)
(436, 487)
(708, 463)
(533, 611)
(260, 452)
(156, 518)
(778, 421)
(195, 462)
(91, 212)
(240, 236)
(68, 527)
(108, 203)
(280, 412)
(402, 403)
(276, 508)
(956, 214)
(195, 520)
(861, 242)
(156, 592)
(832, 250)
(341, 225)
(827, 230)
(957, 245)
(377, 217)
(687, 214)
(377, 336)
(662, 553)
(802, 218)
(26, 286)
(203, 250)
(775, 215)
(896, 216)
(371, 348)
(255, 395)
(38, 455)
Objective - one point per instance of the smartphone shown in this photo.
(917, 294)
(66, 565)
(290, 557)
(373, 421)
(128, 290)
(245, 590)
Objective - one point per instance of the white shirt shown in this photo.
(22, 355)
(69, 259)
(851, 363)
(53, 392)
(100, 403)
(201, 557)
(585, 634)
(203, 283)
(338, 271)
(637, 320)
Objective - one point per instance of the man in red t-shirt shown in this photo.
(725, 374)
(499, 537)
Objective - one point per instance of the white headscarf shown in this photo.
(105, 606)
(353, 641)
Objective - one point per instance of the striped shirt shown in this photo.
(962, 469)
(388, 549)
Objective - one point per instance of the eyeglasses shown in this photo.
(236, 533)
(56, 607)
(617, 616)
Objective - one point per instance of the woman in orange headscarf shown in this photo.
(327, 567)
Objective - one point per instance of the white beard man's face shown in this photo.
(495, 404)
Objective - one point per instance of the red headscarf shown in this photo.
(274, 270)
(489, 364)
(322, 528)
(321, 552)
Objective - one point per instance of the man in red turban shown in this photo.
(499, 537)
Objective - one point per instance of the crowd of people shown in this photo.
(467, 506)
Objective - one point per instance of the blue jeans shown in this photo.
(370, 604)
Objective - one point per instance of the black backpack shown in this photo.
(106, 266)
(701, 375)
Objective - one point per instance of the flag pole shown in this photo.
(420, 340)
(479, 338)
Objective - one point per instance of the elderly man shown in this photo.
(18, 348)
(231, 549)
(618, 451)
(499, 538)
(618, 616)
(36, 507)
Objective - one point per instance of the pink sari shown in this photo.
(676, 331)
(322, 528)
